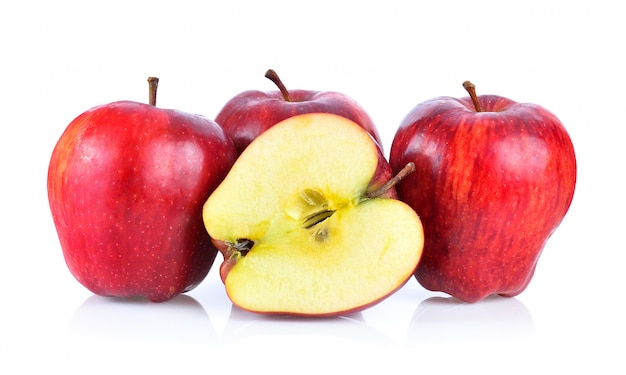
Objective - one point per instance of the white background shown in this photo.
(59, 58)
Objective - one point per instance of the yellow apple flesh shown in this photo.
(298, 228)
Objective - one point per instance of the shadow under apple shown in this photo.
(447, 320)
(130, 321)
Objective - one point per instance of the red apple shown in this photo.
(126, 185)
(250, 113)
(493, 180)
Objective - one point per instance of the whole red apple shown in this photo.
(493, 180)
(250, 113)
(126, 185)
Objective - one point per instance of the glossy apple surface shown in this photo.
(307, 223)
(126, 185)
(250, 113)
(490, 186)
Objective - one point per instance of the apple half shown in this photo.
(307, 221)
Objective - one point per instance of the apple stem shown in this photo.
(407, 170)
(471, 89)
(273, 76)
(153, 84)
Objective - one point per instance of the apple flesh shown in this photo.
(252, 112)
(493, 180)
(307, 223)
(126, 185)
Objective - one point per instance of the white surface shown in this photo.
(60, 58)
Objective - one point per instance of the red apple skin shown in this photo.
(250, 113)
(126, 185)
(489, 187)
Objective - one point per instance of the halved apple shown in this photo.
(307, 223)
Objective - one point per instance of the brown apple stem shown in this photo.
(471, 89)
(153, 84)
(273, 76)
(407, 170)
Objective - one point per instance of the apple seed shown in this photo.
(316, 218)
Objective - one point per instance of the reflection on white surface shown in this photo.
(184, 321)
(134, 336)
(448, 320)
(181, 320)
(253, 329)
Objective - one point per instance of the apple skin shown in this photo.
(250, 113)
(126, 185)
(490, 187)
